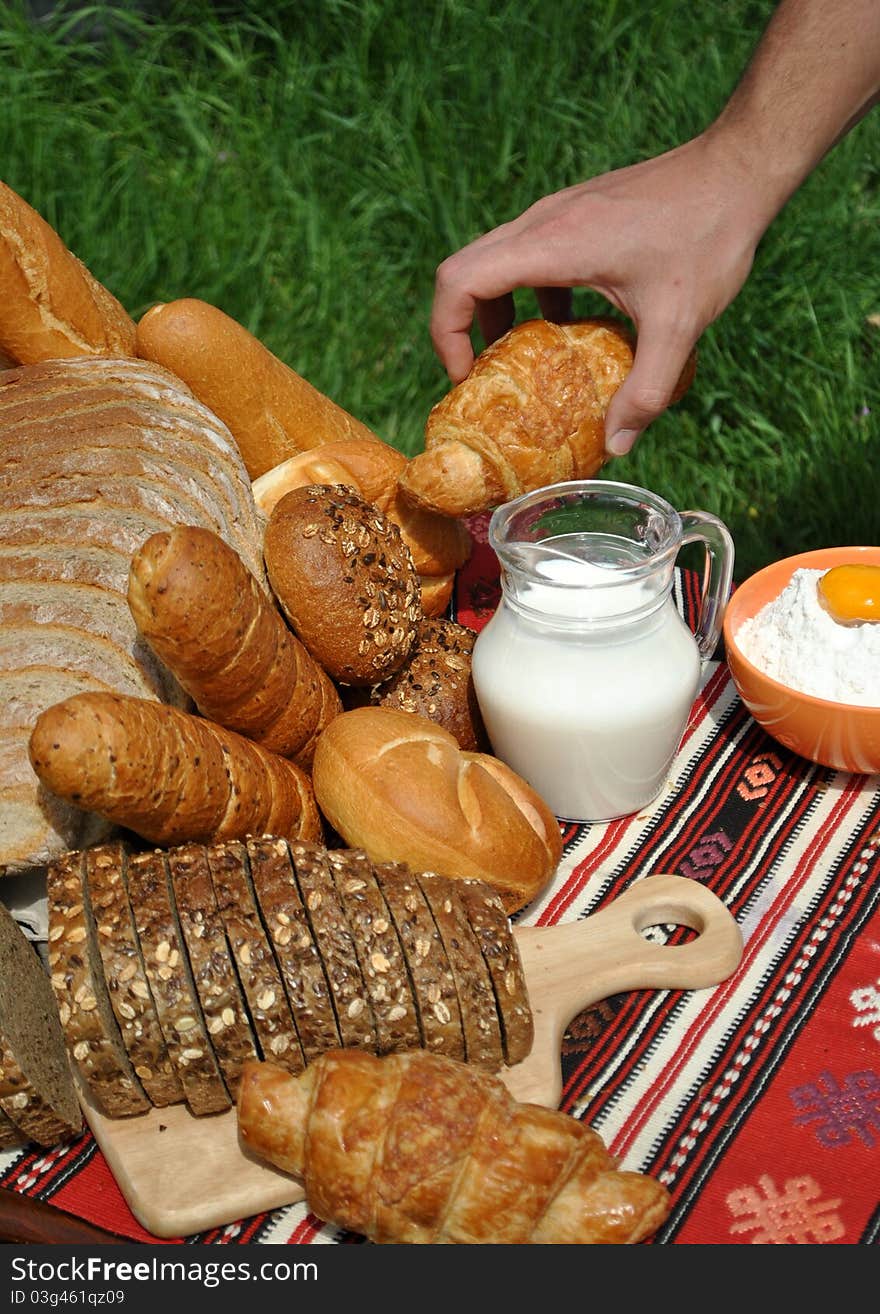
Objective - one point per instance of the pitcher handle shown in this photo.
(702, 527)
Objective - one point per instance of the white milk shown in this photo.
(586, 686)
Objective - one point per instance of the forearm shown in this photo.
(814, 74)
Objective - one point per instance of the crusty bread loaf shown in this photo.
(531, 412)
(167, 775)
(398, 786)
(96, 454)
(50, 303)
(38, 1100)
(345, 580)
(272, 411)
(439, 545)
(206, 617)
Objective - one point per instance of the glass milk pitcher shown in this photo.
(586, 673)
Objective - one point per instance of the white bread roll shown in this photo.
(397, 785)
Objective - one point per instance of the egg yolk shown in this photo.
(851, 594)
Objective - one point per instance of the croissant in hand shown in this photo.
(415, 1148)
(531, 412)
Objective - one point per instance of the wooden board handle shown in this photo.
(569, 967)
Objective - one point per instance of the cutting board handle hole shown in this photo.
(656, 931)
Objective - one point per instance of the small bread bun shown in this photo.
(345, 580)
(436, 682)
(399, 787)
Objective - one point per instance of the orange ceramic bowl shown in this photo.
(838, 735)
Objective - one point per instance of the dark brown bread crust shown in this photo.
(299, 962)
(482, 1029)
(379, 951)
(172, 984)
(430, 972)
(336, 945)
(257, 968)
(126, 977)
(216, 981)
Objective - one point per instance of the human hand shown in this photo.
(669, 242)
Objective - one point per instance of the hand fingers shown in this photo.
(495, 317)
(663, 361)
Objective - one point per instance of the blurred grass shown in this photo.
(305, 166)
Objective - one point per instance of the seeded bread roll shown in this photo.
(50, 304)
(346, 971)
(438, 544)
(38, 1100)
(379, 951)
(398, 786)
(172, 984)
(299, 961)
(430, 971)
(483, 1045)
(345, 580)
(436, 682)
(76, 972)
(220, 995)
(125, 975)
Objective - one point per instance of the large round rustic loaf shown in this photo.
(96, 454)
(345, 580)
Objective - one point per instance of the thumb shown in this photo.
(662, 370)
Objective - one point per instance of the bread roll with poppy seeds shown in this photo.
(345, 580)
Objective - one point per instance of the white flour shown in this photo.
(794, 640)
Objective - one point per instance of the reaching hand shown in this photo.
(669, 242)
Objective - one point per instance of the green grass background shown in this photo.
(306, 166)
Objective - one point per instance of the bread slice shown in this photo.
(77, 976)
(171, 981)
(379, 951)
(490, 923)
(38, 1099)
(427, 961)
(287, 924)
(220, 993)
(336, 945)
(254, 957)
(126, 977)
(483, 1045)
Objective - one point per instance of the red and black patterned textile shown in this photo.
(757, 1102)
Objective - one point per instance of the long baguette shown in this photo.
(166, 775)
(208, 620)
(272, 411)
(50, 304)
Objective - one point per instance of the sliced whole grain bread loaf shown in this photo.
(126, 977)
(38, 1099)
(290, 933)
(489, 921)
(254, 957)
(171, 982)
(379, 951)
(77, 976)
(102, 453)
(346, 972)
(220, 993)
(483, 1045)
(430, 972)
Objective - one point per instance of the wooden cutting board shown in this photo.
(180, 1174)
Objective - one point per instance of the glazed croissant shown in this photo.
(531, 412)
(415, 1148)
